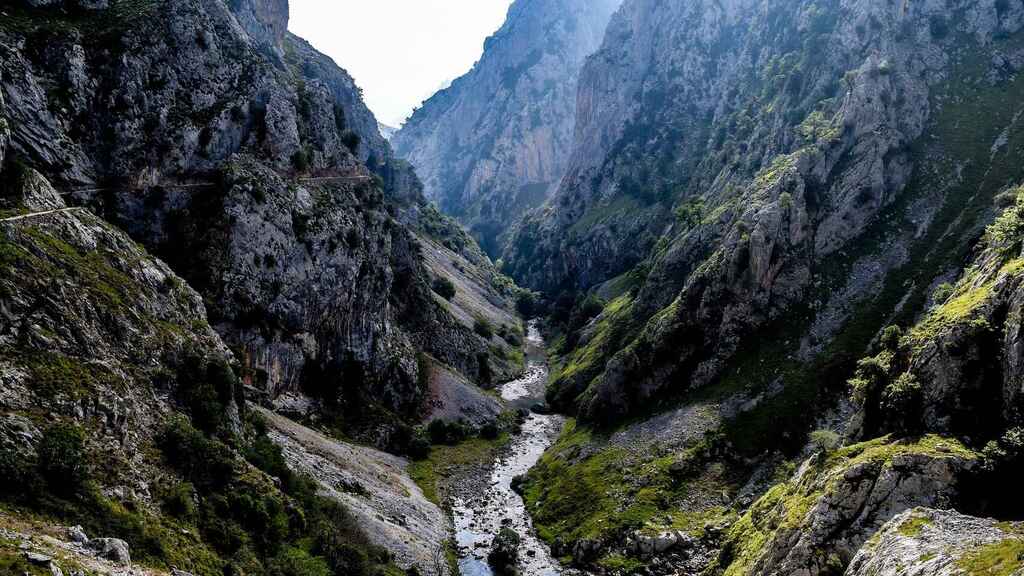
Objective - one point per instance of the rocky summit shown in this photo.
(656, 288)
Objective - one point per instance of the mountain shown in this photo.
(388, 132)
(491, 146)
(198, 214)
(758, 190)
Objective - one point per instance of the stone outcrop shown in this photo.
(492, 145)
(927, 542)
(815, 523)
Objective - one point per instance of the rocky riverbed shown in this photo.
(479, 514)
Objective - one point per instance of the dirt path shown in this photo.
(43, 213)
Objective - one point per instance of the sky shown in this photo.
(399, 51)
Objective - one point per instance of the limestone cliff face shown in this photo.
(730, 160)
(266, 21)
(492, 145)
(249, 162)
(92, 329)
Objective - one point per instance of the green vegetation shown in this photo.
(913, 526)
(1002, 558)
(444, 462)
(609, 492)
(444, 287)
(577, 368)
(483, 328)
(785, 507)
(103, 27)
(53, 375)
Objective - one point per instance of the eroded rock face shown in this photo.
(92, 327)
(183, 123)
(728, 160)
(928, 542)
(815, 523)
(492, 145)
(266, 21)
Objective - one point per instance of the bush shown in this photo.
(206, 386)
(204, 462)
(179, 501)
(901, 403)
(483, 328)
(351, 141)
(444, 288)
(824, 442)
(527, 304)
(489, 431)
(297, 562)
(449, 433)
(942, 293)
(300, 161)
(891, 336)
(408, 441)
(62, 460)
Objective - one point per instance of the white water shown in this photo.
(478, 519)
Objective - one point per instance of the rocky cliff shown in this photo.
(492, 145)
(248, 161)
(752, 199)
(730, 164)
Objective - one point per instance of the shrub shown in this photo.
(408, 441)
(942, 293)
(444, 432)
(527, 303)
(444, 287)
(489, 431)
(484, 373)
(300, 161)
(62, 460)
(206, 387)
(901, 402)
(824, 442)
(483, 328)
(891, 336)
(351, 141)
(179, 501)
(939, 27)
(297, 562)
(206, 463)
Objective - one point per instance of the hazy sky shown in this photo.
(399, 51)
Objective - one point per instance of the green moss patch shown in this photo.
(999, 559)
(581, 490)
(445, 462)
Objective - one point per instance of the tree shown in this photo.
(444, 287)
(824, 443)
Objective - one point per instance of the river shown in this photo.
(478, 519)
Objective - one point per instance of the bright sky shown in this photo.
(399, 51)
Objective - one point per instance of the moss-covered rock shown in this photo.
(931, 542)
(815, 523)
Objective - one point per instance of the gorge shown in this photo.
(717, 288)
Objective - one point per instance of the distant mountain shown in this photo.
(388, 132)
(495, 143)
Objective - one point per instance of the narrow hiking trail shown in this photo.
(478, 518)
(42, 213)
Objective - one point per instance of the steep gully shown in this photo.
(479, 517)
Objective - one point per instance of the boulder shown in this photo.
(77, 534)
(113, 549)
(504, 552)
